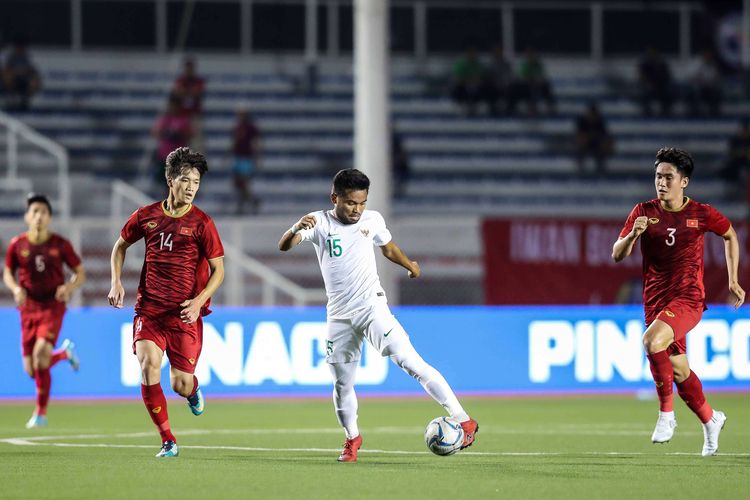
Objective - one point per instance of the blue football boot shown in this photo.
(36, 421)
(196, 402)
(168, 450)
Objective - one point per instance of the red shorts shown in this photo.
(181, 341)
(682, 318)
(41, 323)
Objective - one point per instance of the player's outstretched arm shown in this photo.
(291, 238)
(732, 254)
(19, 293)
(117, 292)
(64, 292)
(192, 307)
(623, 247)
(392, 252)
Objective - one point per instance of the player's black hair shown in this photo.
(38, 198)
(350, 179)
(681, 160)
(182, 159)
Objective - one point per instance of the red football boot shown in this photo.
(471, 427)
(349, 453)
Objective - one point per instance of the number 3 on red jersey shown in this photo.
(670, 238)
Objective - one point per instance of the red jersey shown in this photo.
(176, 267)
(245, 135)
(40, 267)
(191, 90)
(672, 248)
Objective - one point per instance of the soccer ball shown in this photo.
(444, 436)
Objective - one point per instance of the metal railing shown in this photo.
(15, 130)
(272, 281)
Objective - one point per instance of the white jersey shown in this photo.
(347, 259)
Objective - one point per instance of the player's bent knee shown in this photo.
(41, 362)
(655, 342)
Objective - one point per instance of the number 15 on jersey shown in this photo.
(334, 248)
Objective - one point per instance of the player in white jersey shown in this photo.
(357, 307)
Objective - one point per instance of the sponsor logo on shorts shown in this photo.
(191, 361)
(156, 410)
(653, 220)
(388, 332)
(186, 231)
(50, 335)
(669, 313)
(329, 347)
(692, 223)
(364, 232)
(151, 225)
(659, 384)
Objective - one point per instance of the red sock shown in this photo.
(195, 387)
(57, 356)
(661, 369)
(156, 404)
(691, 391)
(43, 383)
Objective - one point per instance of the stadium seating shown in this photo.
(466, 166)
(104, 117)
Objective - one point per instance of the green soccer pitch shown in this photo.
(558, 447)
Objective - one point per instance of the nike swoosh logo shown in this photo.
(389, 332)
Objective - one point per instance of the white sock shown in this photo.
(669, 415)
(407, 358)
(344, 398)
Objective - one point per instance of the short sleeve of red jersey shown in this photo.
(716, 222)
(211, 241)
(634, 214)
(69, 255)
(132, 230)
(10, 256)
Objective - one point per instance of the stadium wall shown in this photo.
(480, 350)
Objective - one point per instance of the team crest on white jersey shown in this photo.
(364, 232)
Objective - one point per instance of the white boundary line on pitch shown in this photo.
(552, 431)
(44, 441)
(23, 442)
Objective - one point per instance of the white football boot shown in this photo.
(711, 431)
(665, 426)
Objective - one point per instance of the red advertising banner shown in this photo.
(556, 261)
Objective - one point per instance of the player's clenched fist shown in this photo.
(739, 294)
(415, 271)
(116, 296)
(306, 222)
(640, 225)
(19, 295)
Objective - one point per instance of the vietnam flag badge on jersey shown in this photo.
(692, 223)
(188, 231)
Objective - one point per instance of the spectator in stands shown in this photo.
(171, 130)
(467, 81)
(592, 138)
(400, 164)
(498, 82)
(21, 77)
(532, 84)
(655, 82)
(737, 165)
(190, 90)
(704, 85)
(246, 151)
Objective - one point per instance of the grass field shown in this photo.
(593, 447)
